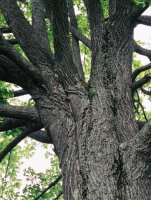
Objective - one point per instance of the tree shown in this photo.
(104, 152)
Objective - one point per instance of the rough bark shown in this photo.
(102, 153)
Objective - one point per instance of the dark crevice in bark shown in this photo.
(120, 173)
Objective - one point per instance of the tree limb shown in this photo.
(50, 186)
(10, 72)
(38, 23)
(63, 54)
(41, 136)
(13, 41)
(59, 195)
(18, 93)
(139, 70)
(80, 37)
(136, 155)
(140, 50)
(146, 92)
(24, 33)
(24, 65)
(145, 20)
(141, 82)
(10, 123)
(21, 112)
(6, 30)
(75, 41)
(18, 139)
(96, 20)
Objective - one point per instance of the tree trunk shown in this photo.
(102, 153)
(94, 138)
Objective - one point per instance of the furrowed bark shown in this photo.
(63, 54)
(102, 153)
(38, 23)
(112, 7)
(96, 20)
(136, 162)
(111, 103)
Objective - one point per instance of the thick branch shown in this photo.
(112, 7)
(141, 82)
(10, 72)
(6, 30)
(146, 92)
(41, 136)
(136, 156)
(18, 139)
(142, 51)
(80, 37)
(139, 70)
(96, 19)
(38, 23)
(20, 62)
(49, 187)
(143, 138)
(13, 41)
(140, 124)
(59, 195)
(145, 20)
(24, 33)
(63, 54)
(19, 93)
(10, 123)
(21, 112)
(75, 41)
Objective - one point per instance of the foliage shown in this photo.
(142, 2)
